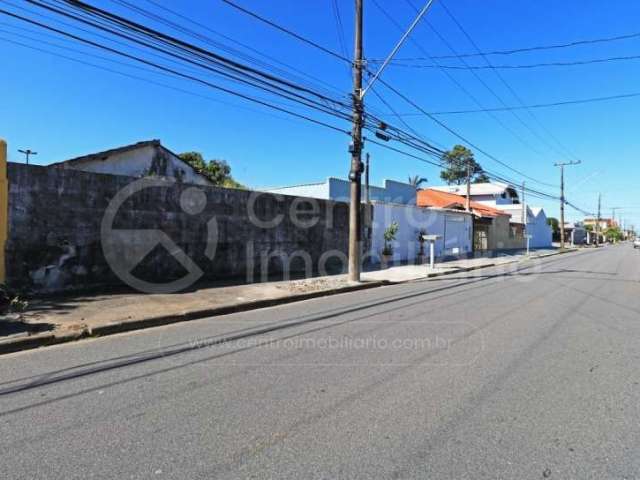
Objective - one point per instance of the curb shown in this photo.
(64, 336)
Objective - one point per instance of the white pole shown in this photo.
(431, 254)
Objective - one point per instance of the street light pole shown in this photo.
(562, 199)
(27, 153)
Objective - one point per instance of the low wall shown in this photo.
(56, 215)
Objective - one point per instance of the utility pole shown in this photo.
(613, 215)
(366, 180)
(598, 221)
(524, 218)
(367, 200)
(27, 153)
(468, 203)
(562, 199)
(355, 227)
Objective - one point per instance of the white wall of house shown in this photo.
(139, 162)
(454, 227)
(310, 190)
(338, 189)
(541, 233)
(537, 227)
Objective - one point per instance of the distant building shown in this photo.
(492, 229)
(137, 160)
(338, 189)
(395, 202)
(492, 194)
(605, 223)
(505, 197)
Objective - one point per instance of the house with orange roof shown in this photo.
(492, 227)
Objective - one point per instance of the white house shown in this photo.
(454, 227)
(491, 194)
(505, 197)
(137, 160)
(396, 202)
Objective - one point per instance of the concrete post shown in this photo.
(431, 254)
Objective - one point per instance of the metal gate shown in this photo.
(455, 235)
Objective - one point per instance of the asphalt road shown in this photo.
(525, 373)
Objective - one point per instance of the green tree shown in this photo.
(218, 171)
(456, 162)
(417, 180)
(555, 227)
(613, 234)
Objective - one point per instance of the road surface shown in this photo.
(500, 374)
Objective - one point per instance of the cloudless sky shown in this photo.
(63, 109)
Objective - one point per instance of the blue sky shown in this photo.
(63, 109)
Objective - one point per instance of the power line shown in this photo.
(339, 28)
(460, 86)
(571, 63)
(251, 75)
(439, 122)
(535, 105)
(217, 44)
(172, 71)
(508, 86)
(537, 48)
(134, 77)
(398, 135)
(287, 31)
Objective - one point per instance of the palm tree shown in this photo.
(417, 180)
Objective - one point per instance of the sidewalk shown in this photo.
(75, 317)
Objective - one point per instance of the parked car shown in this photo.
(636, 243)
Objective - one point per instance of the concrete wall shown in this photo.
(55, 218)
(454, 241)
(139, 162)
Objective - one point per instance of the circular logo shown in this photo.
(124, 249)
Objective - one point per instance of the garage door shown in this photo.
(455, 235)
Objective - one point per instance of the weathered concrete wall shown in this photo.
(55, 239)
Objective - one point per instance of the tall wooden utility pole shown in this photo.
(598, 221)
(468, 203)
(524, 218)
(355, 225)
(355, 220)
(562, 199)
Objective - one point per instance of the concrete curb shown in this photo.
(63, 336)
